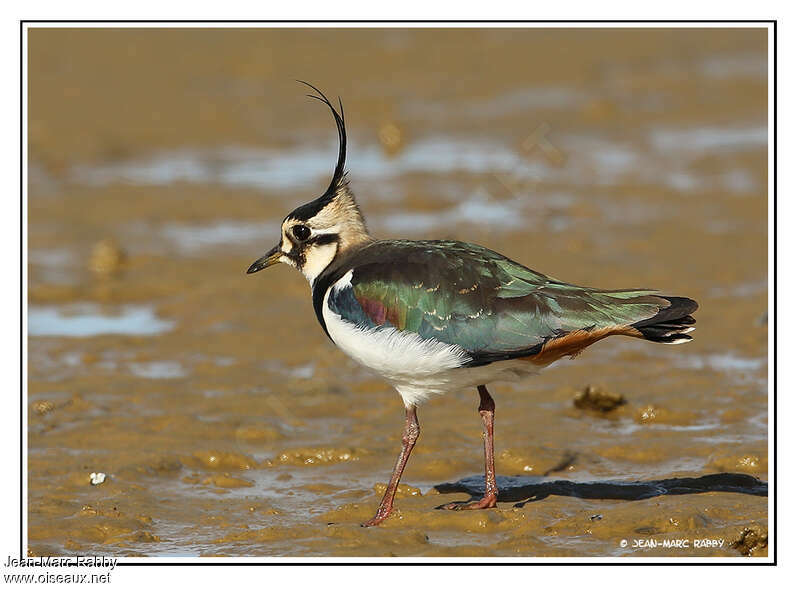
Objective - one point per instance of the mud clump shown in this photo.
(95, 524)
(107, 258)
(748, 463)
(226, 481)
(655, 414)
(402, 490)
(163, 465)
(540, 461)
(596, 399)
(391, 137)
(646, 414)
(316, 456)
(43, 407)
(751, 542)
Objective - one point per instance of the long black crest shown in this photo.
(338, 173)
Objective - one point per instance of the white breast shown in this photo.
(416, 367)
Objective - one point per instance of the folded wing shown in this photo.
(490, 306)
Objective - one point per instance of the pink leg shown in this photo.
(410, 435)
(489, 499)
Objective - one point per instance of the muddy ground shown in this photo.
(160, 165)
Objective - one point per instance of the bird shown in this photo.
(436, 316)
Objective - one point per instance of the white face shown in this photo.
(312, 237)
(308, 248)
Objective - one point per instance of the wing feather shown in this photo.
(467, 295)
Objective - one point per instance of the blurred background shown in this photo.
(161, 162)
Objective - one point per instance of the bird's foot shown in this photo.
(486, 502)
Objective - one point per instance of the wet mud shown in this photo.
(160, 166)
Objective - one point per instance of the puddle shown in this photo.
(517, 102)
(709, 138)
(587, 161)
(302, 168)
(302, 372)
(723, 363)
(158, 370)
(748, 65)
(192, 238)
(296, 168)
(54, 265)
(478, 209)
(92, 320)
(744, 289)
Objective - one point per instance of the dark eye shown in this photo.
(301, 232)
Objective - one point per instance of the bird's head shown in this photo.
(313, 234)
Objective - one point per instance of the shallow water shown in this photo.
(88, 320)
(224, 420)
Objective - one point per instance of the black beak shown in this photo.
(273, 256)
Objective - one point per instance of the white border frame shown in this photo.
(472, 24)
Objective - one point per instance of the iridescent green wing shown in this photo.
(467, 295)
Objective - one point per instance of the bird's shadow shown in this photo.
(524, 489)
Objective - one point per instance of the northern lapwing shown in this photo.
(436, 316)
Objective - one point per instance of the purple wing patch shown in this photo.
(373, 309)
